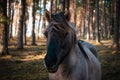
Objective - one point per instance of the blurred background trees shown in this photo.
(94, 20)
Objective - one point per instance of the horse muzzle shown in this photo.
(51, 69)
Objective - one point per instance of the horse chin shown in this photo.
(53, 69)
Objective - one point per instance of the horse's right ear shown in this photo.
(67, 15)
(47, 15)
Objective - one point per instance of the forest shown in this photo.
(23, 45)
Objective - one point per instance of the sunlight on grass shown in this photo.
(1, 48)
(6, 57)
(31, 57)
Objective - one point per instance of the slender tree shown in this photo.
(84, 18)
(3, 5)
(11, 21)
(56, 6)
(105, 25)
(71, 8)
(44, 7)
(117, 25)
(68, 4)
(97, 20)
(92, 20)
(40, 8)
(63, 5)
(33, 24)
(88, 19)
(75, 12)
(25, 27)
(8, 15)
(51, 4)
(21, 23)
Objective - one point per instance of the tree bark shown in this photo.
(3, 5)
(21, 23)
(75, 12)
(33, 24)
(72, 10)
(88, 20)
(117, 25)
(11, 26)
(51, 4)
(63, 5)
(25, 31)
(68, 4)
(44, 7)
(56, 6)
(8, 15)
(97, 21)
(105, 25)
(39, 19)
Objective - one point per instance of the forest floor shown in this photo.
(28, 64)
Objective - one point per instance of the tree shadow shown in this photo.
(110, 61)
(24, 65)
(19, 69)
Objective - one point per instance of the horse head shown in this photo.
(61, 37)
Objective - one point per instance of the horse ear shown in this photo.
(67, 15)
(47, 15)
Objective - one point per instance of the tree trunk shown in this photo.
(44, 6)
(20, 29)
(97, 21)
(110, 20)
(63, 5)
(92, 23)
(68, 4)
(72, 10)
(8, 15)
(88, 20)
(33, 24)
(117, 25)
(3, 5)
(84, 26)
(105, 25)
(11, 22)
(25, 30)
(39, 19)
(56, 6)
(10, 27)
(51, 4)
(75, 12)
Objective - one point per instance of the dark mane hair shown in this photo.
(64, 25)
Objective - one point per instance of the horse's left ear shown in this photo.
(67, 15)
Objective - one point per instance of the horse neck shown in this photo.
(66, 68)
(73, 55)
(71, 58)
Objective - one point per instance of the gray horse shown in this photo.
(67, 58)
